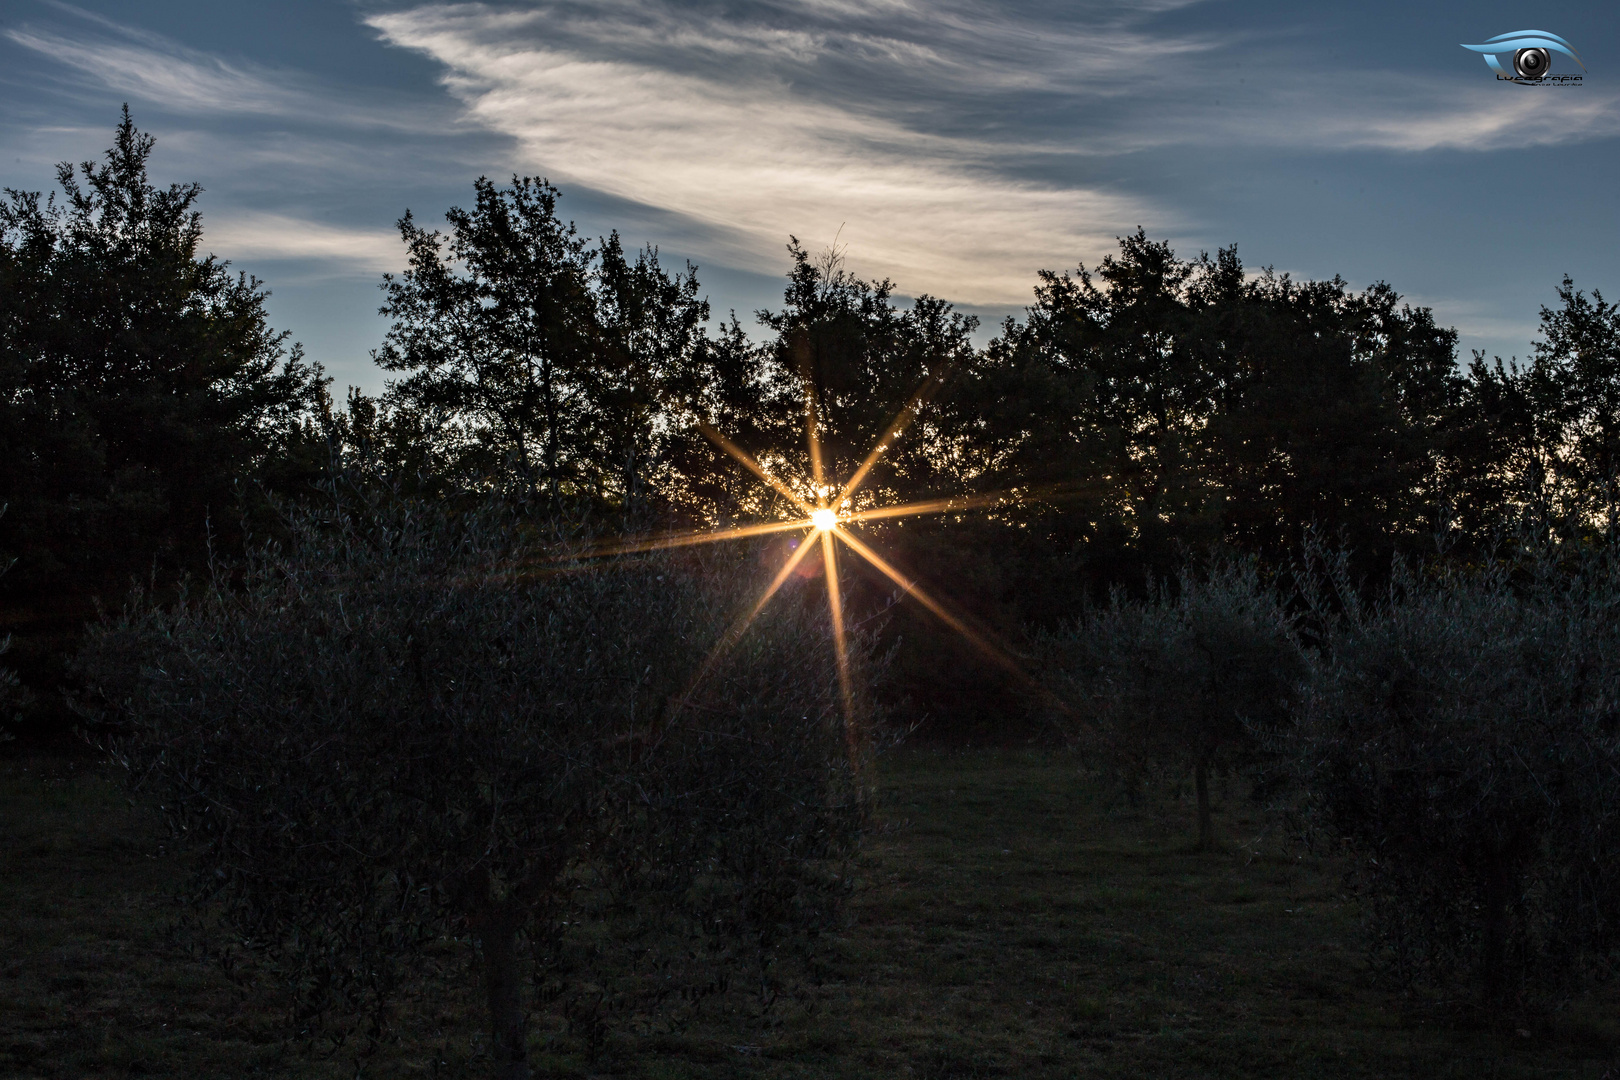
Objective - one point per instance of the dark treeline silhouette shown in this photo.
(1142, 409)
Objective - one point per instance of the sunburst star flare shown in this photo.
(826, 524)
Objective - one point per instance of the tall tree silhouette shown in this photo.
(1182, 403)
(651, 359)
(494, 326)
(535, 357)
(1580, 347)
(139, 382)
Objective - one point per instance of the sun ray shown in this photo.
(1050, 492)
(827, 521)
(748, 462)
(931, 506)
(687, 539)
(902, 419)
(911, 587)
(812, 436)
(835, 608)
(1002, 657)
(740, 627)
(819, 518)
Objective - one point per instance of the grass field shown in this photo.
(1007, 923)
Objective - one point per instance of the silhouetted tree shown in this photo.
(1177, 404)
(1582, 341)
(868, 372)
(532, 356)
(1512, 472)
(744, 394)
(1460, 737)
(1539, 443)
(1103, 397)
(652, 363)
(859, 358)
(1190, 680)
(406, 724)
(494, 328)
(139, 384)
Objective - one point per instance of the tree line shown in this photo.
(1141, 409)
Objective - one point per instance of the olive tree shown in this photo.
(1182, 680)
(404, 726)
(1462, 737)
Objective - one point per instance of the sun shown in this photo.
(819, 502)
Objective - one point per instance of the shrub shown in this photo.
(1461, 737)
(1183, 680)
(402, 727)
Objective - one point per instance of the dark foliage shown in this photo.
(1461, 737)
(403, 727)
(1170, 405)
(866, 372)
(417, 722)
(139, 379)
(533, 358)
(1191, 680)
(140, 386)
(1537, 444)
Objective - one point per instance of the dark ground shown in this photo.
(1007, 923)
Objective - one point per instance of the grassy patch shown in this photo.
(1008, 923)
(90, 983)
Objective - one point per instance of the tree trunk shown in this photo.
(632, 474)
(1206, 827)
(549, 398)
(1497, 895)
(496, 926)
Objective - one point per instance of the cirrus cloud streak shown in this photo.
(725, 133)
(954, 146)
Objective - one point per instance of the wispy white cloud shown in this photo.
(260, 236)
(1432, 115)
(181, 78)
(912, 123)
(150, 67)
(1486, 326)
(957, 144)
(1300, 109)
(728, 129)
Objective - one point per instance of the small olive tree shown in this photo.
(1462, 736)
(402, 726)
(1182, 680)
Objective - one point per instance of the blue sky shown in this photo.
(953, 146)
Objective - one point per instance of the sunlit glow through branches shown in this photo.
(826, 518)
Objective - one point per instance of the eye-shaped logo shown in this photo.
(1531, 52)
